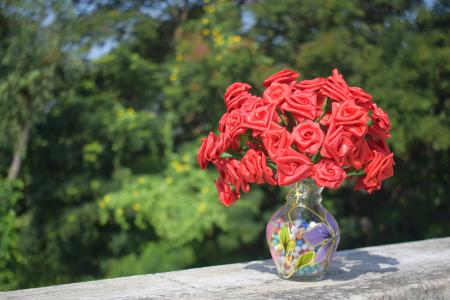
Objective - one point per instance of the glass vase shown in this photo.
(302, 235)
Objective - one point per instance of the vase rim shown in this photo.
(308, 181)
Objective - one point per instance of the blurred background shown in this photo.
(103, 105)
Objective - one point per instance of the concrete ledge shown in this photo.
(415, 270)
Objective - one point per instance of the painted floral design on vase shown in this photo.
(302, 235)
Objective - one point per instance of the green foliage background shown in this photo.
(103, 105)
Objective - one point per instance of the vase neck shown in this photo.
(304, 192)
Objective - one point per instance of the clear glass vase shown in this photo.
(302, 235)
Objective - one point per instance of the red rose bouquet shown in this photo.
(320, 128)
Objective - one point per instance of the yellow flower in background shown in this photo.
(219, 40)
(209, 9)
(180, 168)
(141, 180)
(216, 32)
(130, 110)
(173, 77)
(205, 31)
(234, 39)
(205, 21)
(107, 198)
(202, 207)
(185, 158)
(179, 57)
(136, 207)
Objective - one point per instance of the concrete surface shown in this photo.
(415, 270)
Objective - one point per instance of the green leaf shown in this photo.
(356, 173)
(271, 164)
(291, 121)
(291, 246)
(282, 117)
(244, 138)
(305, 259)
(226, 155)
(316, 157)
(285, 237)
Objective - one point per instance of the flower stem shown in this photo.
(326, 106)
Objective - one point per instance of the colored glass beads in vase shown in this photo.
(302, 235)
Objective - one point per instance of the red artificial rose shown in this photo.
(260, 117)
(249, 108)
(379, 145)
(361, 97)
(328, 174)
(308, 137)
(236, 94)
(379, 168)
(232, 123)
(276, 141)
(224, 141)
(359, 156)
(229, 168)
(251, 103)
(310, 85)
(326, 120)
(320, 100)
(223, 122)
(381, 125)
(336, 88)
(254, 169)
(207, 151)
(284, 76)
(302, 105)
(273, 125)
(226, 195)
(212, 147)
(338, 143)
(349, 132)
(276, 93)
(292, 167)
(352, 117)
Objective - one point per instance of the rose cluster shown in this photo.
(320, 128)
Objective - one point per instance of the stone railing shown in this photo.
(415, 270)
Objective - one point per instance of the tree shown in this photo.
(103, 149)
(34, 71)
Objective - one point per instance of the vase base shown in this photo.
(309, 278)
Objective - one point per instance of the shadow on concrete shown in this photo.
(345, 266)
(352, 264)
(264, 266)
